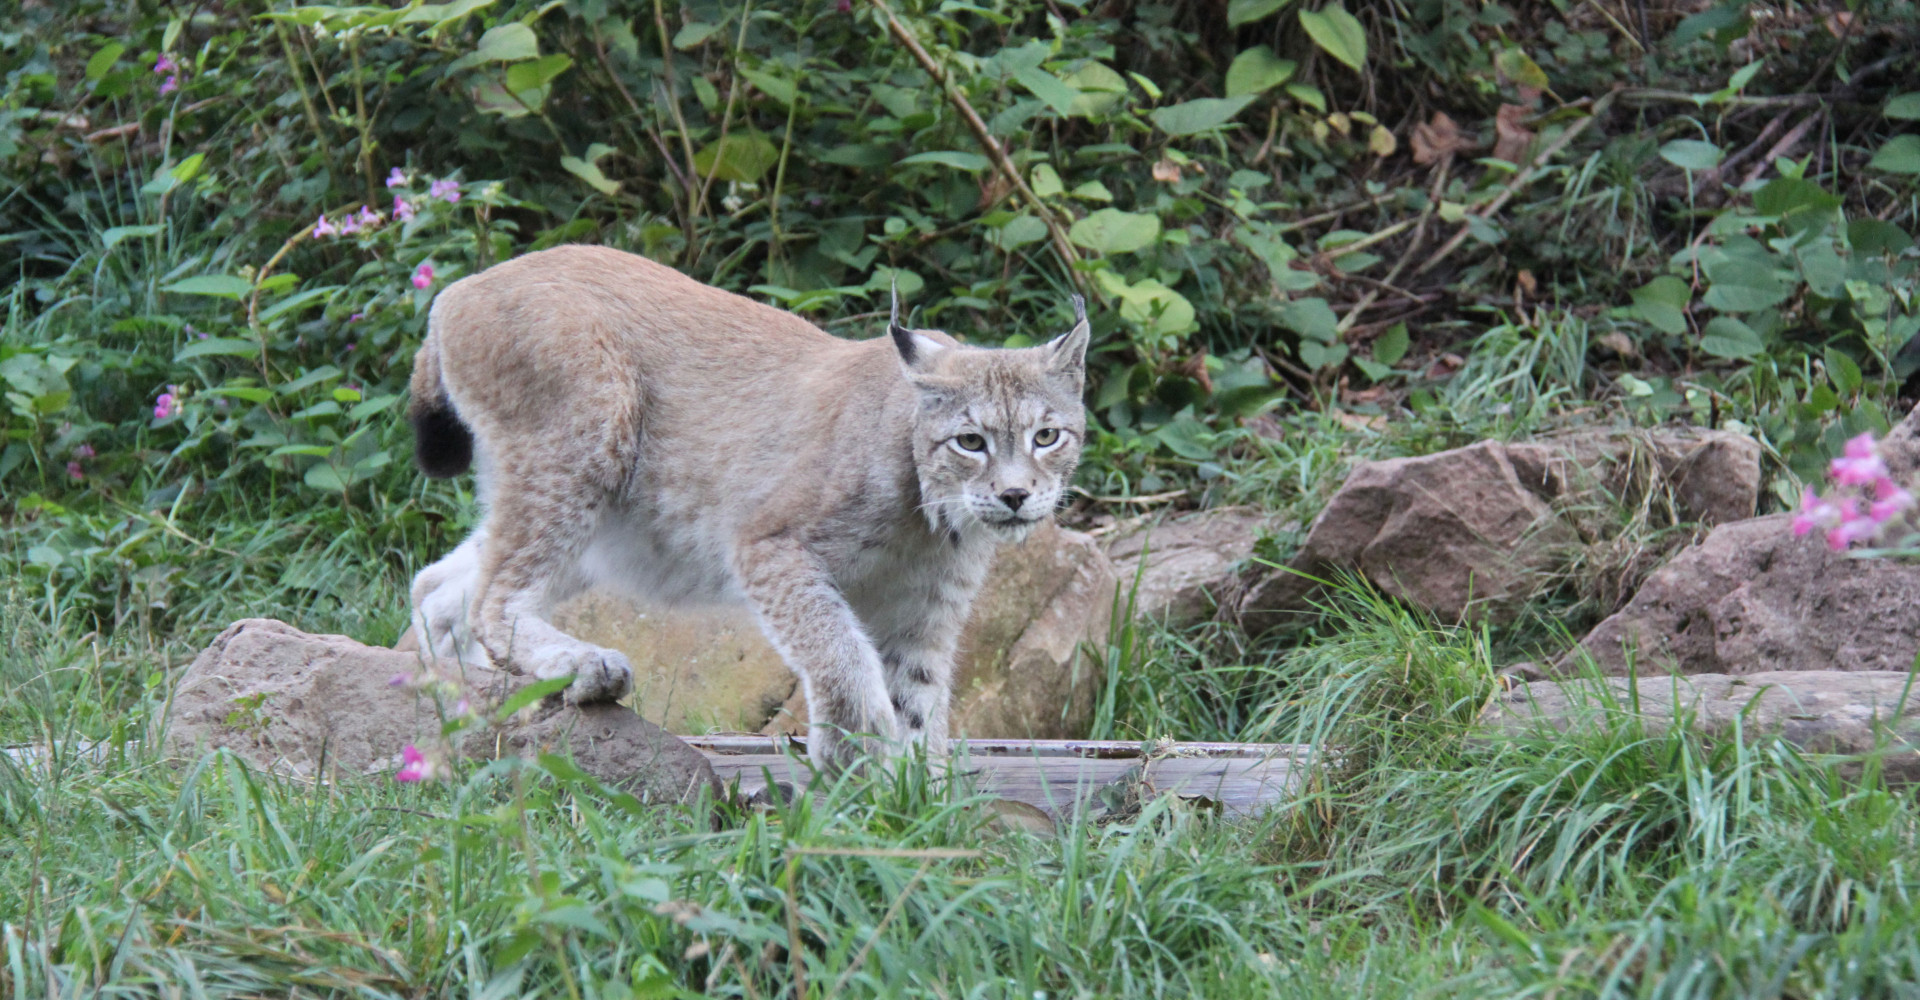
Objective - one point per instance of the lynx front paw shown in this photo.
(835, 745)
(598, 674)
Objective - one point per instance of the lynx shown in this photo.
(635, 429)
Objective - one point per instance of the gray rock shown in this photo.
(1193, 563)
(296, 703)
(1470, 533)
(1819, 711)
(1751, 598)
(1032, 656)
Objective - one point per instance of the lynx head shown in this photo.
(998, 431)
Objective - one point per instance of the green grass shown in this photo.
(1424, 861)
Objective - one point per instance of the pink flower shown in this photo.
(400, 681)
(447, 190)
(1815, 512)
(165, 64)
(356, 317)
(1860, 464)
(83, 451)
(402, 211)
(1888, 500)
(169, 85)
(414, 766)
(349, 225)
(1858, 529)
(395, 178)
(423, 277)
(74, 473)
(368, 217)
(461, 707)
(166, 406)
(324, 228)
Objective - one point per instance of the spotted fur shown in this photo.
(633, 428)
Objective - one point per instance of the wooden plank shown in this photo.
(1056, 776)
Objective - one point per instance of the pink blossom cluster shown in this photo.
(349, 224)
(1873, 498)
(166, 65)
(416, 765)
(167, 404)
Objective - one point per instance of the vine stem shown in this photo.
(998, 156)
(1520, 181)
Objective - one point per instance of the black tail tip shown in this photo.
(442, 445)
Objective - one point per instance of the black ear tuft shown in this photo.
(902, 337)
(903, 342)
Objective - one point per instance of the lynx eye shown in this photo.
(1045, 437)
(971, 442)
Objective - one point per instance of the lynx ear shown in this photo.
(917, 350)
(1067, 353)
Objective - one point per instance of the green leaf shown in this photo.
(1308, 95)
(225, 346)
(1872, 236)
(1726, 337)
(1092, 191)
(1241, 12)
(777, 87)
(1844, 373)
(1048, 88)
(1338, 33)
(111, 238)
(1045, 181)
(1153, 307)
(225, 286)
(537, 73)
(1100, 89)
(188, 168)
(1391, 345)
(1189, 117)
(1743, 285)
(1018, 232)
(104, 59)
(1187, 438)
(1519, 67)
(1312, 319)
(1112, 231)
(1901, 155)
(530, 694)
(1256, 71)
(1662, 302)
(508, 43)
(322, 476)
(740, 157)
(691, 35)
(1905, 107)
(590, 173)
(1692, 154)
(972, 163)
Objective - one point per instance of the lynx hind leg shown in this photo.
(443, 596)
(920, 686)
(538, 527)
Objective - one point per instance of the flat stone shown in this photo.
(325, 706)
(1818, 711)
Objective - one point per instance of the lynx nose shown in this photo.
(1014, 498)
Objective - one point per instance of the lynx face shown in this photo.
(998, 432)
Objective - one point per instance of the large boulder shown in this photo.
(1022, 670)
(1751, 598)
(297, 703)
(695, 670)
(1819, 711)
(1032, 655)
(1188, 565)
(1472, 532)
